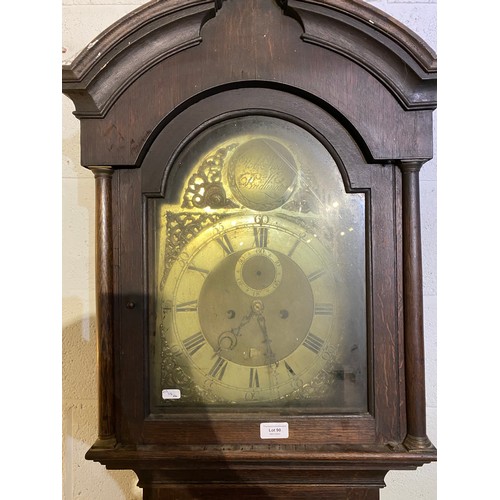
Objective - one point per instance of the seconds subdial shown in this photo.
(258, 272)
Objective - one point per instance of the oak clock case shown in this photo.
(259, 275)
(258, 247)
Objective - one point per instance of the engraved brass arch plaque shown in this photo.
(262, 174)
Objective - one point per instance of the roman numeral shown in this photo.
(316, 274)
(292, 250)
(260, 236)
(187, 306)
(313, 343)
(323, 309)
(194, 343)
(225, 243)
(218, 369)
(254, 378)
(289, 369)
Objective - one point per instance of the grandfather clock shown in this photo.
(258, 252)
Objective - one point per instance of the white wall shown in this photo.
(82, 21)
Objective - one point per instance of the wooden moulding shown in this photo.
(402, 61)
(273, 471)
(349, 58)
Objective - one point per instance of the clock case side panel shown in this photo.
(130, 305)
(136, 425)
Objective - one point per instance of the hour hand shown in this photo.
(261, 320)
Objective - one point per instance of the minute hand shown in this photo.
(262, 325)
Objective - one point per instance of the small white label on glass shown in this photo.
(171, 394)
(273, 430)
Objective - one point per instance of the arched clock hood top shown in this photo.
(347, 32)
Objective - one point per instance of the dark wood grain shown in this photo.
(131, 303)
(270, 50)
(117, 46)
(409, 75)
(210, 491)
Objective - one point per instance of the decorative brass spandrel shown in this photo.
(256, 286)
(205, 187)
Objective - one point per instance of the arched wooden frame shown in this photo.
(347, 57)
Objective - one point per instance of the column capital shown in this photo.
(408, 166)
(101, 170)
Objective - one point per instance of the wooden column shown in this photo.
(416, 438)
(104, 305)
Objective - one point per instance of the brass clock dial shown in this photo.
(259, 261)
(252, 309)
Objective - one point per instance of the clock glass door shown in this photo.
(259, 274)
